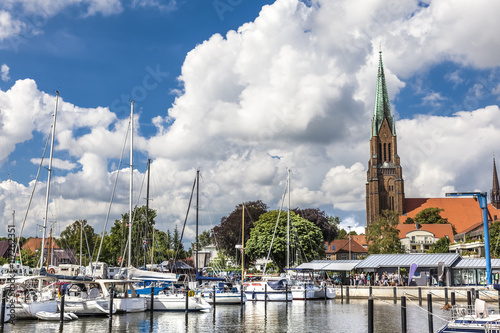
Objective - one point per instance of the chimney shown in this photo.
(417, 226)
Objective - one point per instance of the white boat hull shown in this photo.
(87, 307)
(225, 298)
(313, 293)
(177, 302)
(130, 304)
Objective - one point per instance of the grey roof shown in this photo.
(405, 260)
(329, 265)
(342, 265)
(476, 263)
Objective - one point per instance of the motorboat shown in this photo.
(270, 290)
(225, 293)
(475, 318)
(309, 290)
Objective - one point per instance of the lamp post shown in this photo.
(481, 197)
(349, 227)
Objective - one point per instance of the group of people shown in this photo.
(371, 279)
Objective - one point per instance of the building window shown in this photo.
(343, 256)
(333, 247)
(355, 256)
(385, 152)
(389, 152)
(326, 247)
(328, 257)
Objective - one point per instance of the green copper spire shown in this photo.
(382, 107)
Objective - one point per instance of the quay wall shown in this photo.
(438, 293)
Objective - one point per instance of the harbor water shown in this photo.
(297, 316)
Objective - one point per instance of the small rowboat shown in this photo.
(53, 316)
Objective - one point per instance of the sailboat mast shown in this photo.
(242, 242)
(131, 187)
(288, 225)
(197, 205)
(53, 134)
(147, 220)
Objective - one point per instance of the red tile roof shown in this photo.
(35, 243)
(438, 230)
(360, 239)
(343, 245)
(461, 212)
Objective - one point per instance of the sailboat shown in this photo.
(125, 297)
(38, 291)
(273, 288)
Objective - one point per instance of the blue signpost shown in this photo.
(481, 197)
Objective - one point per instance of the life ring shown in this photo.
(191, 293)
(52, 270)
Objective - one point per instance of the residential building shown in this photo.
(344, 249)
(419, 238)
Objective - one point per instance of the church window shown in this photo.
(385, 152)
(379, 150)
(389, 152)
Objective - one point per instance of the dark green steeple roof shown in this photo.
(382, 107)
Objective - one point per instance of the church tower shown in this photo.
(495, 191)
(385, 184)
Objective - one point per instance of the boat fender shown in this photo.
(191, 293)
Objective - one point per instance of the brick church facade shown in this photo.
(384, 183)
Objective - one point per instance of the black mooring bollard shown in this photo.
(187, 299)
(152, 300)
(326, 290)
(347, 294)
(111, 295)
(61, 318)
(395, 293)
(419, 296)
(445, 295)
(286, 293)
(305, 292)
(370, 315)
(213, 297)
(403, 314)
(429, 310)
(370, 293)
(241, 295)
(342, 295)
(2, 314)
(265, 295)
(452, 298)
(469, 301)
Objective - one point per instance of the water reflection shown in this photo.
(297, 316)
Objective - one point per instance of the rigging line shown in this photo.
(112, 195)
(276, 227)
(32, 195)
(185, 220)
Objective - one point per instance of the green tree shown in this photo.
(305, 238)
(383, 234)
(494, 239)
(327, 224)
(70, 239)
(205, 238)
(228, 234)
(29, 258)
(441, 246)
(430, 216)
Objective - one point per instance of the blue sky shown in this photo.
(225, 85)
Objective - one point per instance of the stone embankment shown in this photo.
(413, 293)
